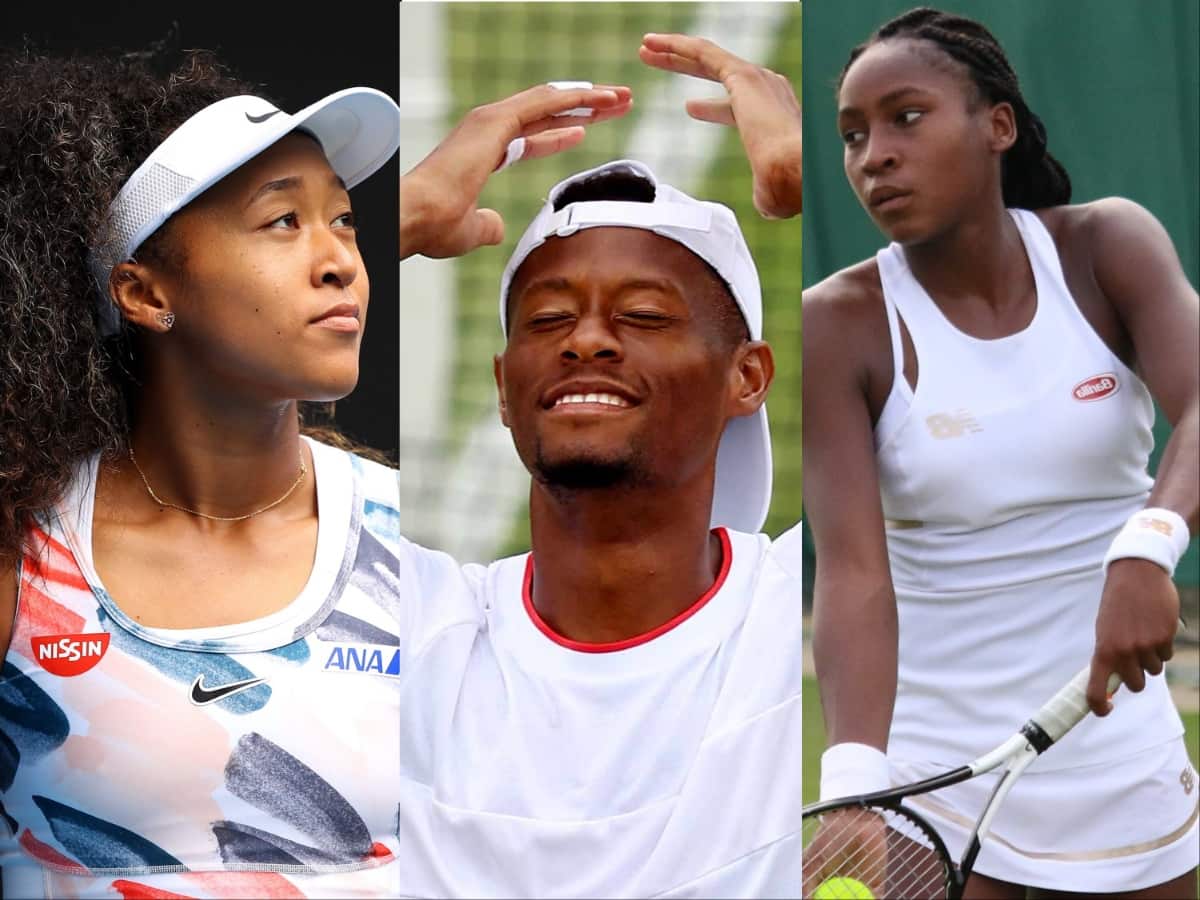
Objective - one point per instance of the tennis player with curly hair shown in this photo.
(196, 592)
(977, 410)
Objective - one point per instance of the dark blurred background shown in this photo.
(297, 57)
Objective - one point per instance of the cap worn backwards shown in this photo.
(710, 231)
(358, 128)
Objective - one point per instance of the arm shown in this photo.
(1138, 272)
(854, 605)
(761, 105)
(855, 630)
(8, 604)
(438, 213)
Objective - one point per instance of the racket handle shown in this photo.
(1064, 710)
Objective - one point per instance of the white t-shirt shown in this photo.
(665, 766)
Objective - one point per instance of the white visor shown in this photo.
(358, 128)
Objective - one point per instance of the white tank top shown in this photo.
(1004, 476)
(250, 760)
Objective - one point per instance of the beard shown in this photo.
(587, 471)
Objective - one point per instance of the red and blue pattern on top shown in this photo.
(274, 779)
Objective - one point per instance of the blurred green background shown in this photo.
(491, 50)
(1118, 87)
(1116, 83)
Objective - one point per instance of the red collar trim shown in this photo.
(636, 640)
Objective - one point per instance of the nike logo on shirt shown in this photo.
(202, 696)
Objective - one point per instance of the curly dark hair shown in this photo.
(1031, 177)
(72, 130)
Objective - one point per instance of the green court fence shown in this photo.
(1116, 83)
(463, 490)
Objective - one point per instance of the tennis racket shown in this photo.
(872, 845)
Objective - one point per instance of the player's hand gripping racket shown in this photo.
(874, 846)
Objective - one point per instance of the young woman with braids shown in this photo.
(977, 403)
(180, 568)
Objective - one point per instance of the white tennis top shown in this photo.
(664, 766)
(1004, 477)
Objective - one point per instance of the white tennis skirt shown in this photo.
(1120, 825)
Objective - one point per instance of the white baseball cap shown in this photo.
(709, 230)
(358, 128)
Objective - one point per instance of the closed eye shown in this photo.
(548, 319)
(647, 317)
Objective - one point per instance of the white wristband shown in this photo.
(1159, 535)
(850, 769)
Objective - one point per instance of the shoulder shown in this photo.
(375, 482)
(848, 294)
(847, 307)
(846, 336)
(379, 482)
(1106, 230)
(1127, 253)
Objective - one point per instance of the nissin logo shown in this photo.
(1096, 388)
(363, 658)
(69, 654)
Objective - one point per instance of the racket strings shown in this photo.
(881, 850)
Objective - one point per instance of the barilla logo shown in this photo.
(1096, 388)
(69, 654)
(363, 658)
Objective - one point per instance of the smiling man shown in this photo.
(629, 362)
(617, 713)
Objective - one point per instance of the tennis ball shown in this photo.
(842, 888)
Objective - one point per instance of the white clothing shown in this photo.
(1004, 476)
(1003, 490)
(1134, 826)
(663, 766)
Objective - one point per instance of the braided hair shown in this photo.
(1031, 178)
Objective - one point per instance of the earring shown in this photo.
(165, 319)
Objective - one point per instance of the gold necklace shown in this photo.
(161, 502)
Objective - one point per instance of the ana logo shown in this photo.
(69, 654)
(1096, 388)
(363, 658)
